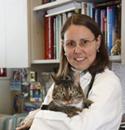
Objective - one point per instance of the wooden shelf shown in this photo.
(53, 4)
(45, 61)
(115, 58)
(4, 78)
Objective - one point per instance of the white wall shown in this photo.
(5, 97)
(119, 69)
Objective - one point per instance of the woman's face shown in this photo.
(80, 46)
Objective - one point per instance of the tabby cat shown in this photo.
(68, 96)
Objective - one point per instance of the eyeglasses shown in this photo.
(84, 43)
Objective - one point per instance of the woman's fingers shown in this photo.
(22, 127)
(27, 122)
(25, 125)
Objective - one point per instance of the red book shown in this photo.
(44, 1)
(3, 72)
(49, 37)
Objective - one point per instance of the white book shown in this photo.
(64, 17)
(83, 7)
(63, 8)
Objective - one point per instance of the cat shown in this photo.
(68, 96)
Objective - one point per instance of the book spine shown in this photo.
(45, 1)
(97, 16)
(110, 27)
(83, 7)
(57, 36)
(89, 9)
(49, 37)
(54, 48)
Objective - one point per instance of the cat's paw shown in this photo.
(87, 103)
(73, 113)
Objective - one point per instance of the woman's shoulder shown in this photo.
(107, 75)
(106, 81)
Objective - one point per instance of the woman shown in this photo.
(84, 51)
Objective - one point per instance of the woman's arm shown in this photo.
(106, 111)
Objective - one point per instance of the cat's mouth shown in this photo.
(71, 102)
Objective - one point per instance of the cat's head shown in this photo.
(66, 91)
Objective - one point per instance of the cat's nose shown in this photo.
(68, 102)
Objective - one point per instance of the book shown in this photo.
(63, 8)
(97, 16)
(83, 7)
(103, 23)
(45, 1)
(16, 80)
(18, 77)
(90, 9)
(57, 41)
(35, 92)
(49, 37)
(110, 27)
(3, 72)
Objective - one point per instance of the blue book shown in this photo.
(97, 16)
(110, 27)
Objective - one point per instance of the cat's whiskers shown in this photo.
(78, 105)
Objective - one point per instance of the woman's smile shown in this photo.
(81, 59)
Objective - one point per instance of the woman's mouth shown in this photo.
(79, 59)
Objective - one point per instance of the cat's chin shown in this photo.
(77, 105)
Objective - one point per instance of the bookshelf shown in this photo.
(37, 32)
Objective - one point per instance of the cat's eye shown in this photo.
(63, 93)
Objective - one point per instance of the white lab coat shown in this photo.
(104, 114)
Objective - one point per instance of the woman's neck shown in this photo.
(77, 71)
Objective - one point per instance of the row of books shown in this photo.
(109, 19)
(52, 30)
(107, 16)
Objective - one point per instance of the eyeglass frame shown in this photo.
(85, 43)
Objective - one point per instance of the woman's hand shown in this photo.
(27, 122)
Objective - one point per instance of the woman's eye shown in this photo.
(70, 44)
(83, 41)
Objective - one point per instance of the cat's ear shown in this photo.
(68, 77)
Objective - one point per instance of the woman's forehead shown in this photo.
(77, 32)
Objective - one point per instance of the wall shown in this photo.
(5, 97)
(119, 69)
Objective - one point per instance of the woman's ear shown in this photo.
(98, 42)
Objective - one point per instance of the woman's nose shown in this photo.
(77, 49)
